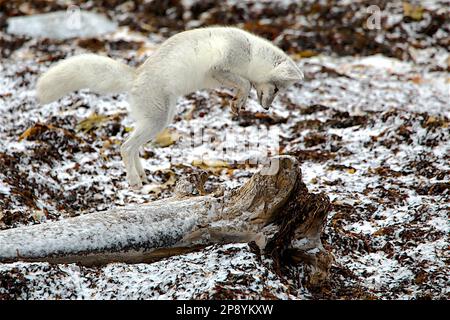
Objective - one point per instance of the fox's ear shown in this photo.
(287, 71)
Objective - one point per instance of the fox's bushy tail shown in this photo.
(87, 71)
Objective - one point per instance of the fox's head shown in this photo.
(279, 79)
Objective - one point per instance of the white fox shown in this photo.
(203, 58)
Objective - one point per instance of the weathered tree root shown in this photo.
(297, 240)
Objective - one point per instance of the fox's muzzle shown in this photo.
(264, 100)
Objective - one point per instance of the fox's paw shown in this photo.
(135, 182)
(136, 185)
(237, 104)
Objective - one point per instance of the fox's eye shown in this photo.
(275, 90)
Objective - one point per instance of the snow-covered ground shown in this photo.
(371, 132)
(230, 271)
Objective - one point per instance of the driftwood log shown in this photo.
(273, 211)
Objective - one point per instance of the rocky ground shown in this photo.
(370, 124)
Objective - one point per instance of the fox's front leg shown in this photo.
(237, 82)
(238, 102)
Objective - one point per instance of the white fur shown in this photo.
(189, 61)
(100, 74)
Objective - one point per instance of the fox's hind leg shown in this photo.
(145, 130)
(137, 161)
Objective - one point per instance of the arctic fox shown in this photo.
(203, 58)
